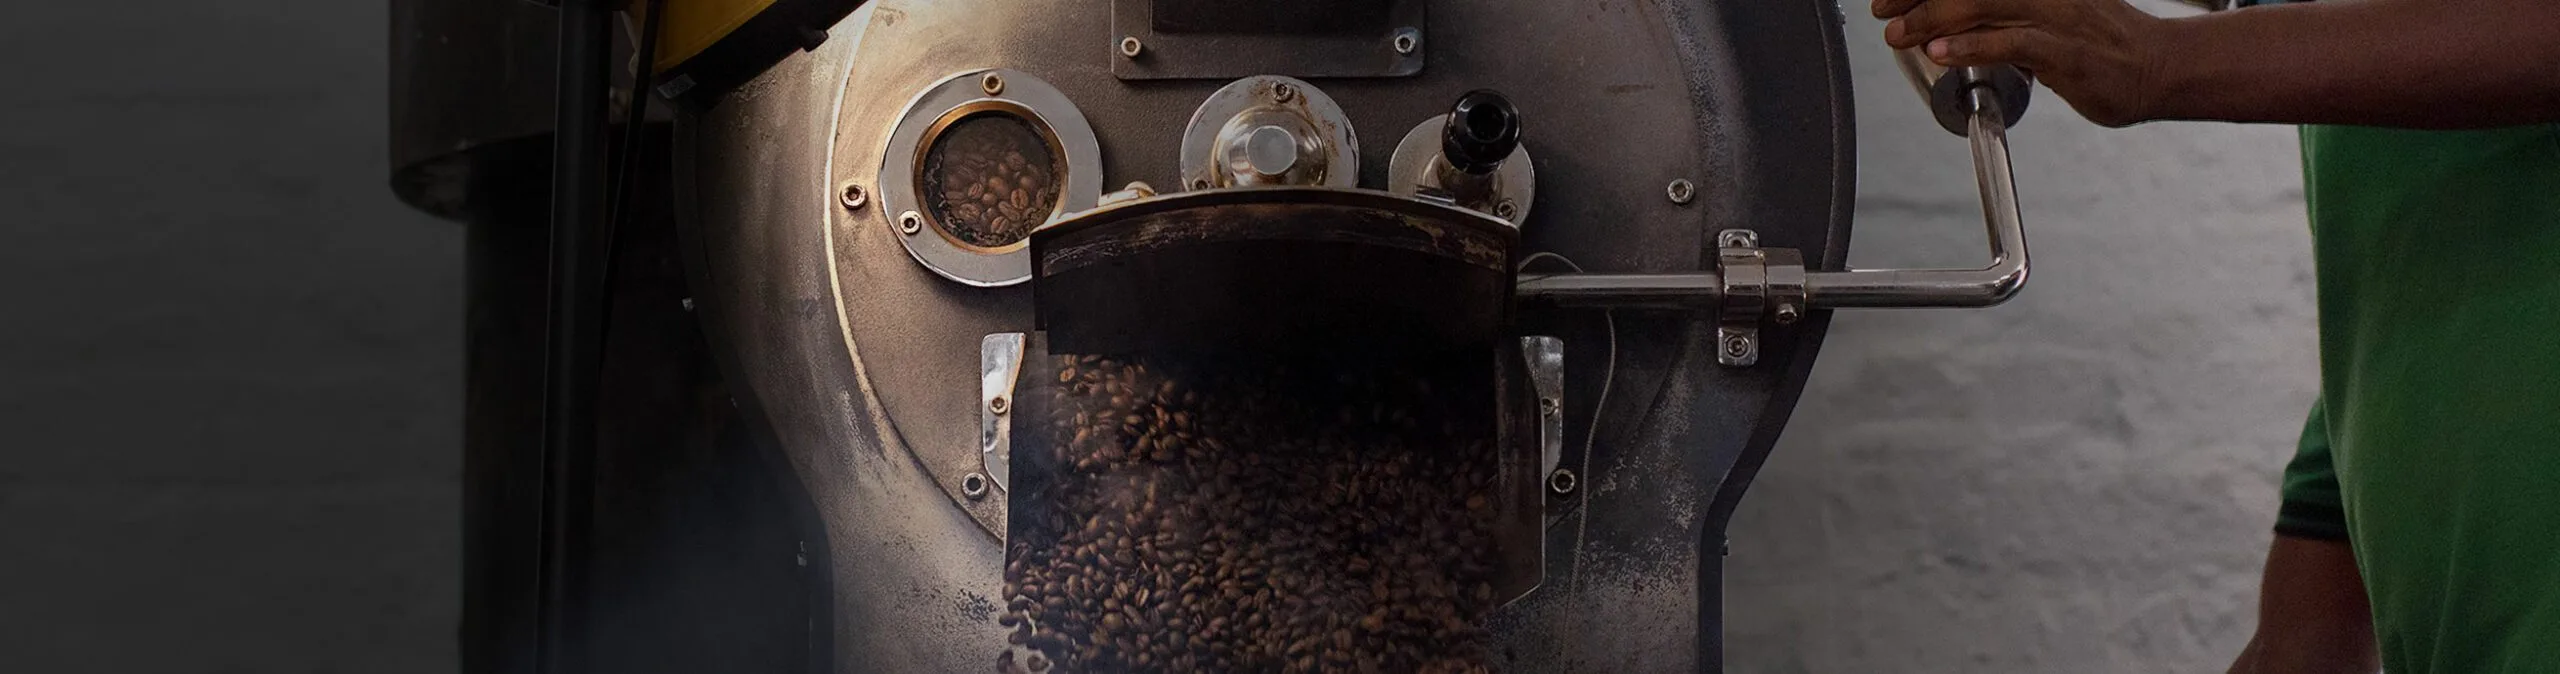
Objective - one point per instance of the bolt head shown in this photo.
(1562, 481)
(1130, 47)
(1406, 41)
(974, 486)
(991, 83)
(1737, 347)
(1788, 313)
(1682, 191)
(853, 197)
(1506, 209)
(910, 222)
(1549, 407)
(1283, 93)
(999, 405)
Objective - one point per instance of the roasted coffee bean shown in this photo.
(1253, 517)
(989, 179)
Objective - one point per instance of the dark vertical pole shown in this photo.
(573, 353)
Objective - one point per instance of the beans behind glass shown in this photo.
(990, 178)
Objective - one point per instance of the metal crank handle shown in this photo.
(1977, 103)
(1986, 101)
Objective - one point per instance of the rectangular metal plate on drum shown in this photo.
(1234, 40)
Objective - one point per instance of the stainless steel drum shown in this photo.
(951, 247)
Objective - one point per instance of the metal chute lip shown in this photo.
(1450, 231)
(1351, 197)
(1266, 267)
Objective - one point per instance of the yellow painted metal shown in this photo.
(694, 25)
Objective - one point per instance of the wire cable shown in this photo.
(1599, 403)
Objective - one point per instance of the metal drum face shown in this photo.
(872, 369)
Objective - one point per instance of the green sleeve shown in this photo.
(2312, 508)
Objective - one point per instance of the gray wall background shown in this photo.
(230, 362)
(229, 371)
(2081, 480)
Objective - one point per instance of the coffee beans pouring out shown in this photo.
(1252, 516)
(990, 178)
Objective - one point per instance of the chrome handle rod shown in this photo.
(1987, 286)
(1688, 290)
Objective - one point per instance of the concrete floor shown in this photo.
(2082, 480)
(232, 379)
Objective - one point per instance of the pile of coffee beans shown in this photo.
(1252, 517)
(990, 179)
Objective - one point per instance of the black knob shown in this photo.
(1483, 130)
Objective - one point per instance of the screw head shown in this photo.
(1130, 47)
(999, 405)
(1199, 183)
(1738, 238)
(1506, 209)
(974, 486)
(853, 197)
(1788, 313)
(1737, 346)
(1407, 40)
(991, 83)
(1548, 407)
(1563, 481)
(910, 222)
(1283, 93)
(1682, 191)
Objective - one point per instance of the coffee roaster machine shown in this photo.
(883, 222)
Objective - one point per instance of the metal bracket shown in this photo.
(1753, 282)
(999, 368)
(1546, 378)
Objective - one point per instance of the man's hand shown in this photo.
(2430, 64)
(2104, 57)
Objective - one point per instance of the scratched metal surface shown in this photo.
(864, 364)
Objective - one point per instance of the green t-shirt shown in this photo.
(2435, 450)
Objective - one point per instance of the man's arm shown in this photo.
(2312, 615)
(2401, 63)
